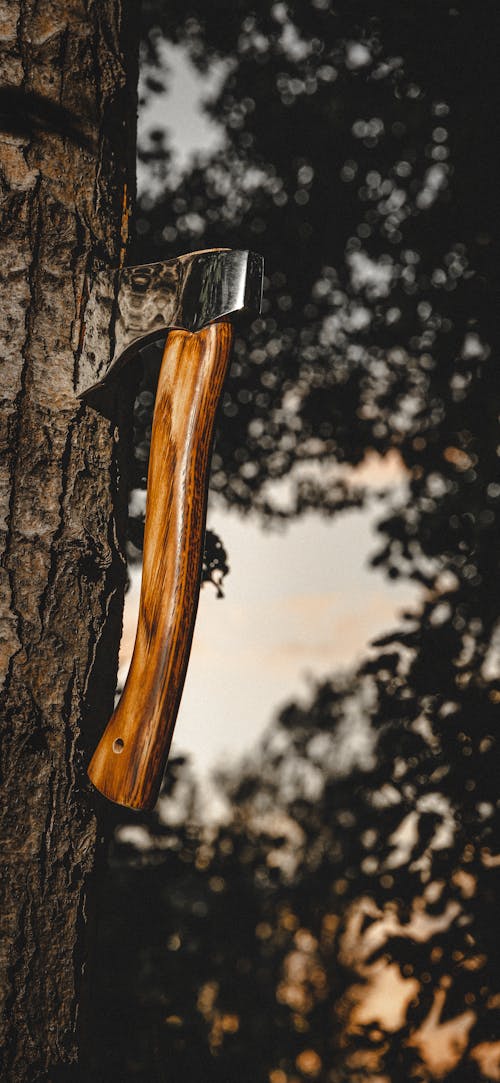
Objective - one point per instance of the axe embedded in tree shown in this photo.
(194, 297)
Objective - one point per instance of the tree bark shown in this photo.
(67, 152)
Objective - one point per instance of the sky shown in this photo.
(300, 603)
(191, 131)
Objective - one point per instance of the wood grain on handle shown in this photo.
(129, 761)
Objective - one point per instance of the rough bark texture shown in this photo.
(67, 121)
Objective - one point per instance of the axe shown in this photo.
(194, 298)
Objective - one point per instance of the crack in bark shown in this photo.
(54, 554)
(95, 644)
(20, 410)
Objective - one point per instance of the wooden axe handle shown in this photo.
(129, 761)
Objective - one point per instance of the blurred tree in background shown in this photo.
(341, 924)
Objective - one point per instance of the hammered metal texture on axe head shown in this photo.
(139, 303)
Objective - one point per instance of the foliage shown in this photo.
(361, 848)
(351, 159)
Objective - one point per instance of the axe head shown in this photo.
(138, 304)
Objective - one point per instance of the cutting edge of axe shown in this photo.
(194, 298)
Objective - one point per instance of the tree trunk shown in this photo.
(67, 149)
